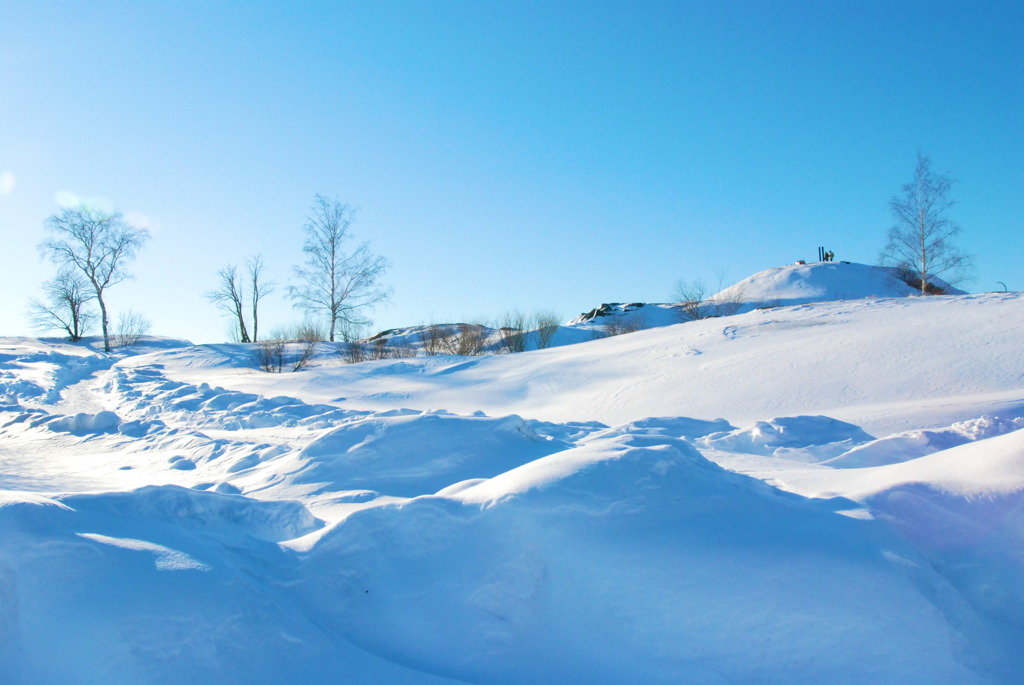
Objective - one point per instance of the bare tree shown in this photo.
(335, 284)
(692, 304)
(258, 289)
(234, 290)
(229, 299)
(97, 244)
(131, 327)
(919, 242)
(65, 308)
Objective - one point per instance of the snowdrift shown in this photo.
(821, 492)
(633, 560)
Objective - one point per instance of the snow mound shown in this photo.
(516, 578)
(162, 586)
(408, 455)
(217, 514)
(913, 444)
(962, 509)
(818, 282)
(86, 424)
(672, 426)
(799, 438)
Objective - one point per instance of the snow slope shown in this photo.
(828, 492)
(883, 364)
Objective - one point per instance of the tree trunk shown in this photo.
(242, 332)
(103, 321)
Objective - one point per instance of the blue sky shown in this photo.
(531, 155)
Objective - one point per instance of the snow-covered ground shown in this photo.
(830, 491)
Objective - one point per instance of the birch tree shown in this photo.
(97, 244)
(229, 298)
(259, 288)
(334, 284)
(236, 294)
(920, 242)
(65, 307)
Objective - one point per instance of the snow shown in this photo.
(830, 491)
(819, 282)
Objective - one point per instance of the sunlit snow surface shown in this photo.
(817, 493)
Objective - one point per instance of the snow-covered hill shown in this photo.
(800, 283)
(822, 282)
(826, 492)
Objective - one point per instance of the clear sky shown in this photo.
(532, 155)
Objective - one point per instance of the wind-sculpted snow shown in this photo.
(146, 391)
(420, 453)
(913, 444)
(563, 515)
(85, 424)
(162, 585)
(801, 438)
(633, 559)
(962, 510)
(40, 374)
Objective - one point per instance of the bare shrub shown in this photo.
(465, 339)
(462, 339)
(131, 327)
(433, 339)
(382, 349)
(689, 299)
(307, 334)
(354, 352)
(307, 331)
(289, 346)
(379, 349)
(691, 304)
(270, 355)
(307, 350)
(472, 339)
(401, 351)
(620, 325)
(547, 324)
(511, 332)
(727, 304)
